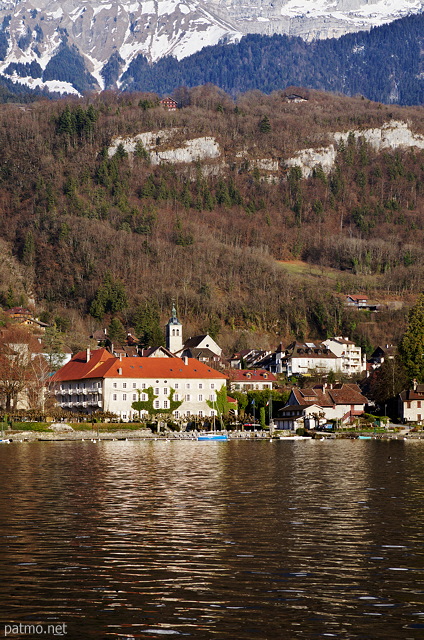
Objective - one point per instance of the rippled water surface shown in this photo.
(224, 540)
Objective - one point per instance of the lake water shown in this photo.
(223, 540)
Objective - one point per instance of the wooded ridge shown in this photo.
(249, 249)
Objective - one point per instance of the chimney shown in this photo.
(119, 371)
(414, 384)
(185, 359)
(88, 354)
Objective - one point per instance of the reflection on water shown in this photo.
(228, 540)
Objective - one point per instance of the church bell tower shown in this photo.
(174, 333)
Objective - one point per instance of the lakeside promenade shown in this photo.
(143, 434)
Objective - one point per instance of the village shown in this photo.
(304, 386)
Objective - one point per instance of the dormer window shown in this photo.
(265, 376)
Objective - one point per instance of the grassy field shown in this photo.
(341, 281)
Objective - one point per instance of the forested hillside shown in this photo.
(385, 65)
(252, 257)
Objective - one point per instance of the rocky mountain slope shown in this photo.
(54, 43)
(111, 204)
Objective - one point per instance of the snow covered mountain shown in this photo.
(75, 45)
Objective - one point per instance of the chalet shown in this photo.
(321, 403)
(250, 379)
(169, 104)
(411, 404)
(98, 381)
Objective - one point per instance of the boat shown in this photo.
(210, 437)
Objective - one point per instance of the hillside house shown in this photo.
(300, 358)
(169, 104)
(352, 361)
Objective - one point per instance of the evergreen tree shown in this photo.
(147, 325)
(411, 348)
(264, 125)
(116, 331)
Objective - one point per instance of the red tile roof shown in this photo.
(102, 364)
(242, 375)
(327, 397)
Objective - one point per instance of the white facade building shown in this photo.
(98, 381)
(350, 355)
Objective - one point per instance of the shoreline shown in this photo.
(141, 434)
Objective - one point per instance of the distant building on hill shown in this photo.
(169, 104)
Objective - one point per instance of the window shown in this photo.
(143, 397)
(177, 414)
(176, 397)
(134, 385)
(408, 405)
(124, 385)
(187, 385)
(157, 391)
(419, 404)
(200, 398)
(200, 385)
(173, 332)
(178, 332)
(114, 385)
(134, 397)
(156, 404)
(176, 385)
(212, 386)
(165, 391)
(187, 398)
(124, 396)
(114, 396)
(165, 404)
(212, 413)
(143, 386)
(212, 397)
(200, 414)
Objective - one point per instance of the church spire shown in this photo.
(174, 332)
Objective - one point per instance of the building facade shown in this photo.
(352, 362)
(98, 381)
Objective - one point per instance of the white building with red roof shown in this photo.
(250, 379)
(98, 381)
